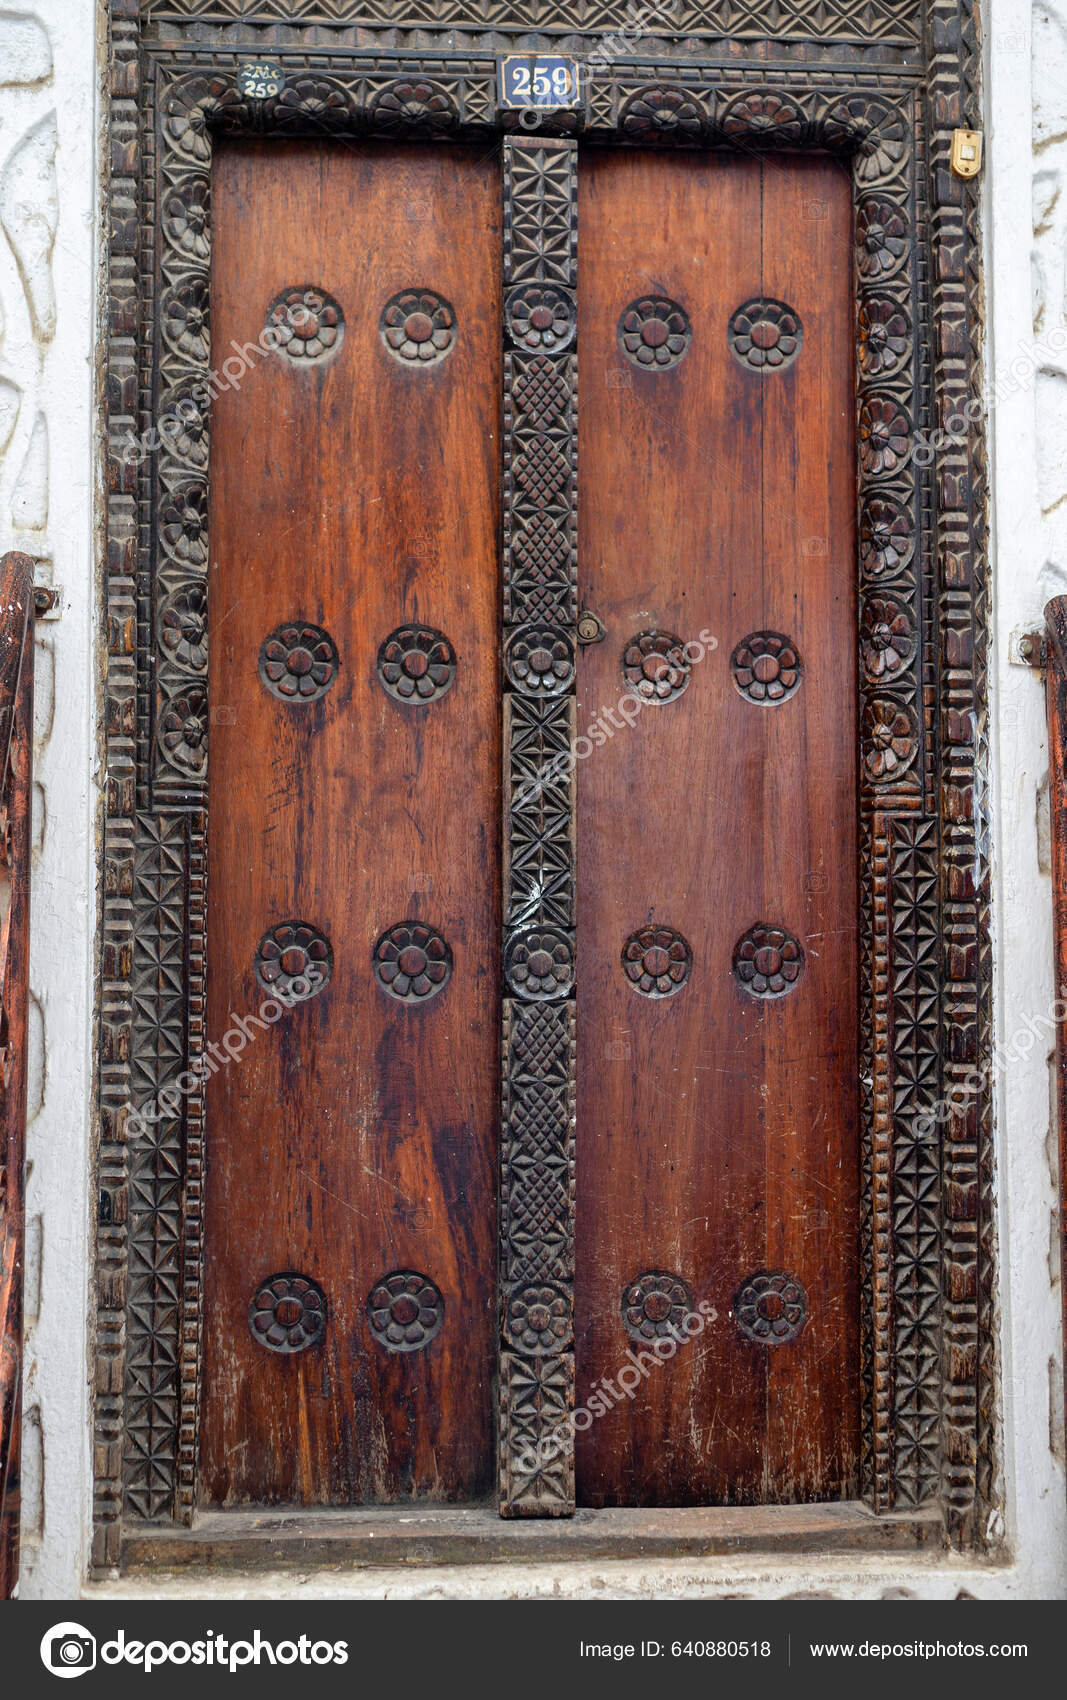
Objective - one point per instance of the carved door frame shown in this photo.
(927, 1375)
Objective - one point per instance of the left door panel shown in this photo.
(353, 841)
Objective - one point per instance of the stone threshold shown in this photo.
(442, 1535)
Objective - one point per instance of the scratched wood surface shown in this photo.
(717, 1130)
(357, 1138)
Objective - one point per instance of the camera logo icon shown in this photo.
(68, 1650)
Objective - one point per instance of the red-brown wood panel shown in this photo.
(717, 1129)
(355, 490)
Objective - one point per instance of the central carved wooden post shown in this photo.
(540, 635)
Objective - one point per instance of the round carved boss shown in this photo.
(405, 1311)
(768, 961)
(307, 324)
(294, 959)
(539, 964)
(657, 961)
(418, 327)
(765, 335)
(539, 660)
(656, 1305)
(539, 1318)
(766, 668)
(541, 317)
(771, 1307)
(416, 664)
(655, 333)
(287, 1313)
(655, 666)
(298, 663)
(412, 962)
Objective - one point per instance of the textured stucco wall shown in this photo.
(49, 503)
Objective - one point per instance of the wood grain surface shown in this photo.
(358, 1136)
(717, 1131)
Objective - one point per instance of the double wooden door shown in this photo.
(354, 887)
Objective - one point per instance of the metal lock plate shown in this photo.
(966, 152)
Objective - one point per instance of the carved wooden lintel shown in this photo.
(893, 22)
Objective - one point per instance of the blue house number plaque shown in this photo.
(549, 82)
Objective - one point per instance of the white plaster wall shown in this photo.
(49, 501)
(1026, 227)
(1026, 221)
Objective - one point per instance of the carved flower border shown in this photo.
(874, 119)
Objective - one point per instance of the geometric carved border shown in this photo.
(540, 253)
(928, 1371)
(886, 21)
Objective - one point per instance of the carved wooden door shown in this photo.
(352, 1324)
(717, 1136)
(354, 832)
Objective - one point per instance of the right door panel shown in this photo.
(718, 1096)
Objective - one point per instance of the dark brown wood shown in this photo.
(356, 491)
(1056, 699)
(16, 791)
(245, 1540)
(717, 1129)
